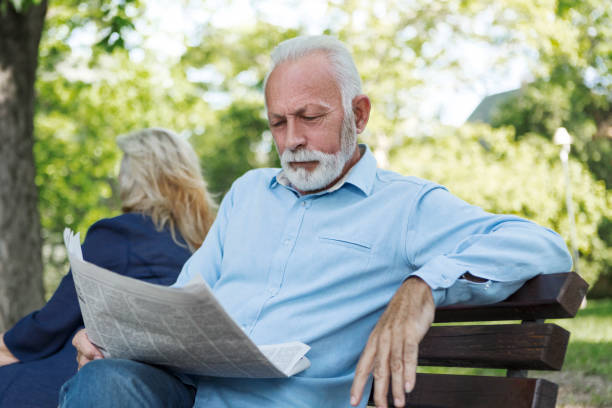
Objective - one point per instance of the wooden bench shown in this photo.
(529, 345)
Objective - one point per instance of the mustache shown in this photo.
(303, 155)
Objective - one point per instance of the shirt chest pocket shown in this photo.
(350, 255)
(348, 243)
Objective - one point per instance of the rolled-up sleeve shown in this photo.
(448, 237)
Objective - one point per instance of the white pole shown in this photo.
(563, 138)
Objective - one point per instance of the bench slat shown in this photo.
(555, 295)
(539, 346)
(443, 390)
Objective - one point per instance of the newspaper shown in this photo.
(184, 329)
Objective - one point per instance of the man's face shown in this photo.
(306, 119)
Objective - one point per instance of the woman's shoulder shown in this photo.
(124, 223)
(136, 228)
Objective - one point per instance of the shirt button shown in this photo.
(287, 241)
(303, 203)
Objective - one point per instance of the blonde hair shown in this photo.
(160, 176)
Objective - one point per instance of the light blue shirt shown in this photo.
(321, 268)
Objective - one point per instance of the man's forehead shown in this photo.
(307, 83)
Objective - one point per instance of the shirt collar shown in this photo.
(361, 175)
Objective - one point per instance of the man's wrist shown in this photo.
(416, 282)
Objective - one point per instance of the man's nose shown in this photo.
(295, 135)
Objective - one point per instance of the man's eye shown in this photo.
(277, 124)
(310, 118)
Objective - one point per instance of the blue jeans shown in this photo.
(125, 383)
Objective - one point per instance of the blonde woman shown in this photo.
(167, 212)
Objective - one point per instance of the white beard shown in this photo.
(329, 168)
(330, 164)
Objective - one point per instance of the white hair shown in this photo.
(340, 58)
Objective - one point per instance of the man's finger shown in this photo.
(82, 360)
(381, 370)
(85, 349)
(84, 346)
(410, 357)
(396, 364)
(362, 372)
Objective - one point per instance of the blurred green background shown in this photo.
(109, 67)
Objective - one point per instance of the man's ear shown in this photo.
(361, 109)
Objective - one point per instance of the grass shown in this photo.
(590, 348)
(586, 378)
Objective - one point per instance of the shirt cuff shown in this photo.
(440, 272)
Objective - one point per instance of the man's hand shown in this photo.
(86, 351)
(392, 349)
(6, 357)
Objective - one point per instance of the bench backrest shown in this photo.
(531, 344)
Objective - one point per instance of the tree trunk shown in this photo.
(21, 288)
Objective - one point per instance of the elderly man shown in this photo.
(328, 251)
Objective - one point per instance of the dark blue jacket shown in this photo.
(128, 244)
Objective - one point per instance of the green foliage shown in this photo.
(228, 147)
(239, 55)
(487, 167)
(109, 21)
(573, 88)
(117, 22)
(549, 103)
